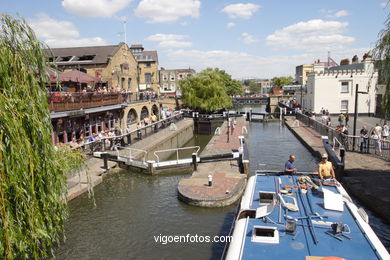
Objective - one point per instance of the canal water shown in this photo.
(133, 209)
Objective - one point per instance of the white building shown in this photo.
(334, 88)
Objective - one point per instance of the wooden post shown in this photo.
(105, 160)
(150, 167)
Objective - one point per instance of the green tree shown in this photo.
(32, 173)
(206, 91)
(254, 87)
(233, 87)
(382, 55)
(281, 81)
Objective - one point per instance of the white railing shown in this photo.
(132, 151)
(244, 131)
(177, 152)
(217, 131)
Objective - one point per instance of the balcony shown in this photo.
(75, 101)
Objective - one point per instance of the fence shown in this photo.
(377, 147)
(107, 143)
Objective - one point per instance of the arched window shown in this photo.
(144, 112)
(155, 110)
(132, 116)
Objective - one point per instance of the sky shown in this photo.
(247, 39)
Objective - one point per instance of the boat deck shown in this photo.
(265, 235)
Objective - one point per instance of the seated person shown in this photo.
(289, 166)
(325, 169)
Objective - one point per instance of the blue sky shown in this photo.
(256, 38)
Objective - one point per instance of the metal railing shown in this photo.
(132, 151)
(177, 152)
(377, 147)
(108, 143)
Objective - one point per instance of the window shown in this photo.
(344, 86)
(344, 105)
(189, 75)
(180, 76)
(172, 76)
(148, 78)
(122, 83)
(86, 58)
(165, 76)
(173, 86)
(166, 86)
(147, 64)
(265, 234)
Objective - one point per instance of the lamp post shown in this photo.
(356, 113)
(177, 96)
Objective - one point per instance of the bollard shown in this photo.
(150, 167)
(194, 162)
(210, 177)
(105, 160)
(342, 155)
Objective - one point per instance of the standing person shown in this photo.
(363, 139)
(341, 119)
(325, 169)
(289, 166)
(385, 131)
(378, 130)
(378, 145)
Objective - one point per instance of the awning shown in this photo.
(73, 113)
(77, 76)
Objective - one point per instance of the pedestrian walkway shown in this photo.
(370, 122)
(366, 177)
(227, 181)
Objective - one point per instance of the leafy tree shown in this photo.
(281, 81)
(254, 87)
(206, 91)
(32, 173)
(382, 55)
(233, 87)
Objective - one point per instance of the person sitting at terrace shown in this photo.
(289, 166)
(325, 169)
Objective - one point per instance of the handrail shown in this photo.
(177, 151)
(217, 131)
(130, 150)
(242, 130)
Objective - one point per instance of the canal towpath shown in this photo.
(227, 181)
(366, 177)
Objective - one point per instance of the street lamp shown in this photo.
(178, 94)
(355, 112)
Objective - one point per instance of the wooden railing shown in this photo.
(73, 101)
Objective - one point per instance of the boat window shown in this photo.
(265, 234)
(266, 197)
(247, 213)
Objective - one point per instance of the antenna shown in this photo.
(124, 29)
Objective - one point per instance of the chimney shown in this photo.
(355, 59)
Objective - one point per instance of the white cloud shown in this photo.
(334, 13)
(166, 11)
(244, 11)
(169, 40)
(60, 33)
(230, 25)
(248, 38)
(95, 8)
(384, 4)
(245, 65)
(312, 35)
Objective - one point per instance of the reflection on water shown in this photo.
(133, 208)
